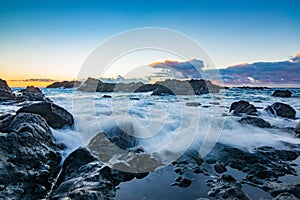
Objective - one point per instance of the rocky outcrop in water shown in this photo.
(85, 177)
(282, 110)
(29, 157)
(255, 121)
(65, 84)
(282, 93)
(5, 91)
(56, 116)
(242, 107)
(31, 93)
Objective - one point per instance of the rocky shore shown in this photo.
(31, 165)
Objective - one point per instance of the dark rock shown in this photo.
(30, 158)
(5, 91)
(282, 93)
(134, 98)
(214, 103)
(219, 168)
(32, 89)
(56, 116)
(255, 121)
(31, 94)
(242, 107)
(297, 128)
(286, 196)
(182, 182)
(193, 104)
(90, 85)
(106, 96)
(84, 177)
(64, 84)
(282, 188)
(282, 110)
(5, 120)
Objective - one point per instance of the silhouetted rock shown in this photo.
(282, 110)
(56, 116)
(242, 107)
(29, 158)
(64, 84)
(282, 93)
(255, 121)
(5, 91)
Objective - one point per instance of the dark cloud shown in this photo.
(189, 69)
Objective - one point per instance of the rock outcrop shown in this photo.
(31, 93)
(282, 110)
(65, 84)
(29, 157)
(255, 121)
(56, 116)
(5, 91)
(242, 107)
(282, 93)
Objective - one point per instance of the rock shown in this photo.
(282, 110)
(84, 177)
(134, 98)
(219, 168)
(31, 94)
(90, 85)
(30, 158)
(5, 120)
(56, 116)
(282, 188)
(5, 91)
(297, 128)
(182, 182)
(286, 196)
(282, 93)
(65, 84)
(255, 121)
(106, 96)
(242, 107)
(193, 104)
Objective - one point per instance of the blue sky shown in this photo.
(52, 38)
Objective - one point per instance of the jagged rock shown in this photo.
(193, 104)
(29, 158)
(282, 110)
(255, 121)
(5, 91)
(242, 107)
(64, 84)
(84, 177)
(56, 116)
(282, 93)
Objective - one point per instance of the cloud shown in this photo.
(262, 73)
(189, 69)
(34, 80)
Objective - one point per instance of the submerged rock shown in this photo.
(242, 107)
(255, 121)
(282, 110)
(282, 93)
(56, 116)
(29, 158)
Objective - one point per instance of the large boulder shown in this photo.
(85, 177)
(242, 107)
(56, 116)
(255, 121)
(282, 93)
(29, 158)
(282, 110)
(5, 91)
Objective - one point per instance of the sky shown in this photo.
(41, 39)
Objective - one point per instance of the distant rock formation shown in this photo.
(64, 84)
(5, 91)
(282, 93)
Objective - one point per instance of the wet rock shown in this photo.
(5, 120)
(106, 96)
(83, 176)
(219, 168)
(226, 187)
(255, 121)
(282, 188)
(286, 196)
(297, 128)
(64, 84)
(5, 91)
(282, 93)
(31, 94)
(193, 104)
(282, 110)
(134, 98)
(29, 156)
(242, 107)
(56, 116)
(182, 182)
